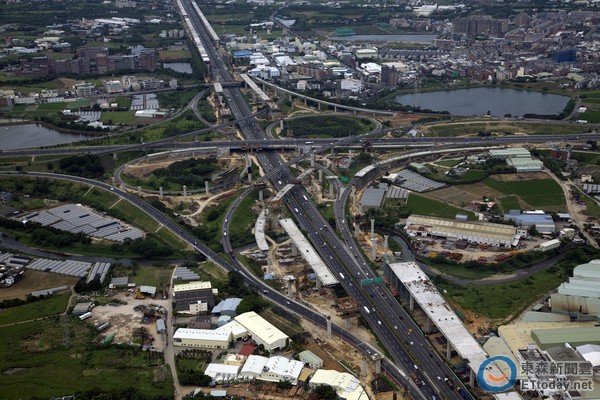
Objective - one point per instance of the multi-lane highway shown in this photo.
(379, 308)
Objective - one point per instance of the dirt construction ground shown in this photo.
(124, 320)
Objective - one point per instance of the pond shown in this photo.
(32, 135)
(478, 101)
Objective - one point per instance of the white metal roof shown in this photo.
(254, 364)
(591, 353)
(259, 231)
(308, 253)
(183, 287)
(201, 334)
(233, 327)
(589, 271)
(260, 327)
(451, 227)
(263, 96)
(221, 372)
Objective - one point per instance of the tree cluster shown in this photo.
(45, 235)
(86, 165)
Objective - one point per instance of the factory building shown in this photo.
(522, 165)
(194, 297)
(543, 222)
(272, 369)
(580, 296)
(202, 338)
(511, 152)
(222, 372)
(479, 232)
(311, 359)
(346, 386)
(547, 338)
(262, 331)
(227, 307)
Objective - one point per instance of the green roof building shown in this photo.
(547, 338)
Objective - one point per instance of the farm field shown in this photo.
(463, 194)
(419, 204)
(28, 349)
(37, 309)
(537, 193)
(34, 281)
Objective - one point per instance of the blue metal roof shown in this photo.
(230, 304)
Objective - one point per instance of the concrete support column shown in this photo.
(260, 195)
(139, 188)
(385, 244)
(354, 112)
(184, 190)
(319, 106)
(249, 177)
(427, 325)
(331, 189)
(363, 368)
(206, 187)
(319, 285)
(472, 378)
(350, 154)
(294, 250)
(312, 159)
(289, 289)
(334, 108)
(347, 323)
(113, 180)
(305, 103)
(328, 319)
(372, 228)
(114, 156)
(411, 302)
(320, 175)
(160, 192)
(448, 350)
(378, 366)
(374, 248)
(356, 230)
(281, 124)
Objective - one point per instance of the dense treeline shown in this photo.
(87, 166)
(180, 171)
(147, 247)
(8, 303)
(322, 125)
(45, 235)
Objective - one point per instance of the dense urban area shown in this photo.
(300, 200)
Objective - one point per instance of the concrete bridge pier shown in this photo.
(312, 159)
(160, 193)
(448, 350)
(206, 187)
(139, 190)
(374, 248)
(305, 103)
(260, 195)
(411, 303)
(184, 190)
(320, 175)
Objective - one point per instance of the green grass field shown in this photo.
(419, 204)
(536, 192)
(456, 129)
(502, 301)
(448, 163)
(153, 276)
(38, 309)
(36, 352)
(591, 116)
(120, 117)
(509, 203)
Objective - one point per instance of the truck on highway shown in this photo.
(367, 309)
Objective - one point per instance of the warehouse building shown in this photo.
(511, 152)
(346, 386)
(580, 296)
(523, 164)
(262, 331)
(478, 232)
(543, 222)
(372, 198)
(222, 372)
(194, 297)
(202, 338)
(227, 307)
(272, 369)
(311, 359)
(547, 338)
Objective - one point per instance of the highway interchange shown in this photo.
(407, 347)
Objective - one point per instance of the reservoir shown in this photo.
(479, 101)
(184, 68)
(32, 135)
(387, 38)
